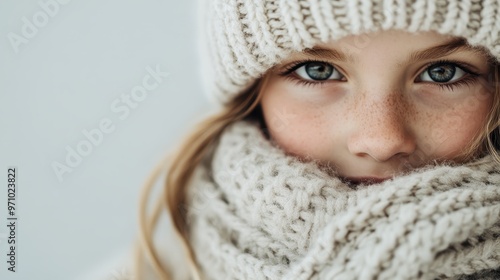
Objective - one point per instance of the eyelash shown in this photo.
(288, 71)
(468, 79)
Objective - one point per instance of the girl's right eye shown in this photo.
(318, 71)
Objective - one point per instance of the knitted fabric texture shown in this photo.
(242, 39)
(259, 213)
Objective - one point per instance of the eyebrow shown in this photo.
(455, 44)
(445, 49)
(330, 54)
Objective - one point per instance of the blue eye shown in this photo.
(318, 71)
(442, 73)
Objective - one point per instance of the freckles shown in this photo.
(446, 128)
(411, 112)
(452, 129)
(393, 115)
(471, 112)
(405, 110)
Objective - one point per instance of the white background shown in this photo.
(63, 80)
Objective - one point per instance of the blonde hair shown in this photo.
(199, 142)
(180, 170)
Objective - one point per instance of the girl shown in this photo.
(355, 140)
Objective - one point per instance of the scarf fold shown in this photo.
(257, 213)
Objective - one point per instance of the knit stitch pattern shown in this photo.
(257, 213)
(242, 39)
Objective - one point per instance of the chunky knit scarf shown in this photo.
(258, 213)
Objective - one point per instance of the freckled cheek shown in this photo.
(308, 141)
(449, 132)
(300, 129)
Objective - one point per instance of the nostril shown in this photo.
(382, 147)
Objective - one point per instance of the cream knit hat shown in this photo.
(244, 38)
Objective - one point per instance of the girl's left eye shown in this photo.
(442, 73)
(318, 71)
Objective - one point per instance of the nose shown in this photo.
(380, 128)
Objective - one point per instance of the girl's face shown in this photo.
(373, 106)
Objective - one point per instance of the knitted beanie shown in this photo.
(242, 39)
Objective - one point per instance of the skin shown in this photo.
(379, 115)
